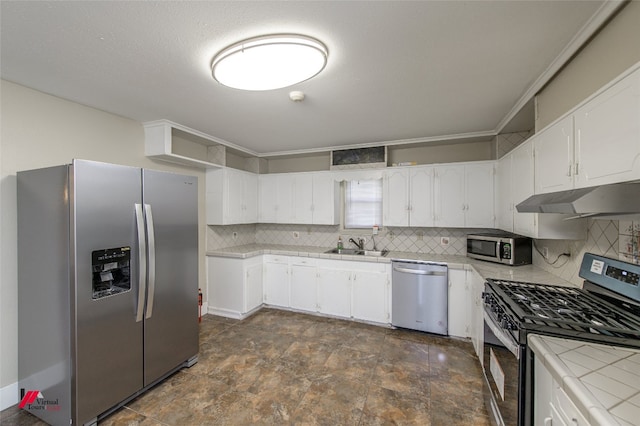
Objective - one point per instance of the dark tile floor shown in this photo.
(279, 367)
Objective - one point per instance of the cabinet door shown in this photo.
(608, 135)
(334, 292)
(476, 321)
(326, 204)
(479, 209)
(253, 287)
(522, 187)
(371, 296)
(284, 195)
(304, 288)
(302, 201)
(542, 394)
(554, 157)
(396, 198)
(459, 298)
(234, 196)
(449, 196)
(250, 198)
(504, 203)
(267, 196)
(421, 196)
(276, 284)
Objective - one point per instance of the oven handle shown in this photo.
(505, 338)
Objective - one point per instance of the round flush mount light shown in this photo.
(269, 62)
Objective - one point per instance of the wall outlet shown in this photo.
(235, 235)
(420, 235)
(390, 235)
(444, 241)
(545, 252)
(296, 235)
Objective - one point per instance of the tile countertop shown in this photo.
(528, 273)
(603, 381)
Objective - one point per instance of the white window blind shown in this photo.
(363, 203)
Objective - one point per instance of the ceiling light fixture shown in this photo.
(269, 62)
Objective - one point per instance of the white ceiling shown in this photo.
(397, 72)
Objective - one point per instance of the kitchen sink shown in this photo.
(358, 252)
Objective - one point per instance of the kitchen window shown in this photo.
(362, 204)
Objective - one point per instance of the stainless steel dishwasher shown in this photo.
(419, 296)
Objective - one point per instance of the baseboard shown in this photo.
(9, 396)
(232, 314)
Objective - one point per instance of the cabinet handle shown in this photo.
(577, 168)
(569, 172)
(548, 421)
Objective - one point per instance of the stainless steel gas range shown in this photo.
(606, 310)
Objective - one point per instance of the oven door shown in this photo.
(503, 374)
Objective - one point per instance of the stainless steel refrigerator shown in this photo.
(107, 286)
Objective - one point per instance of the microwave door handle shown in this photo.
(499, 254)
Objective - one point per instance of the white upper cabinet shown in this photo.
(597, 143)
(302, 201)
(553, 149)
(450, 200)
(522, 186)
(521, 178)
(308, 198)
(608, 135)
(231, 196)
(464, 195)
(479, 188)
(504, 198)
(276, 198)
(408, 197)
(326, 204)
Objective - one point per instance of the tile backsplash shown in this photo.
(418, 240)
(610, 238)
(616, 239)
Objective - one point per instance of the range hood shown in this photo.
(606, 201)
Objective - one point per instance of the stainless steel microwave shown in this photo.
(506, 248)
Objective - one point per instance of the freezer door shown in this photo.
(171, 313)
(108, 342)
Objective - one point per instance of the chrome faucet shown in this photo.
(359, 243)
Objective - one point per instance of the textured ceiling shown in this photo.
(397, 71)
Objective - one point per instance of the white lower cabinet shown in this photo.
(234, 286)
(304, 284)
(253, 286)
(551, 404)
(276, 280)
(334, 291)
(371, 295)
(476, 323)
(459, 303)
(345, 289)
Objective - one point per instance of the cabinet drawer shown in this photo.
(275, 258)
(303, 261)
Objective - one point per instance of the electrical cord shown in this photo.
(568, 255)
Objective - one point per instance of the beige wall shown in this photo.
(39, 130)
(307, 163)
(443, 153)
(612, 51)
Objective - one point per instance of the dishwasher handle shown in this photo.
(420, 271)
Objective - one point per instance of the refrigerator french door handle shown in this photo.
(142, 262)
(151, 259)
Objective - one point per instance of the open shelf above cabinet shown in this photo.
(168, 141)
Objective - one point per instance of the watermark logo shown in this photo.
(35, 400)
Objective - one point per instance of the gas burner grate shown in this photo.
(566, 308)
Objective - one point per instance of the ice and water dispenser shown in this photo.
(111, 271)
